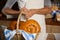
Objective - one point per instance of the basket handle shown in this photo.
(19, 16)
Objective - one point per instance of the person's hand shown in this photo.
(27, 13)
(24, 10)
(30, 13)
(47, 10)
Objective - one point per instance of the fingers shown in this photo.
(27, 16)
(27, 13)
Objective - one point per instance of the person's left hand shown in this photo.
(28, 13)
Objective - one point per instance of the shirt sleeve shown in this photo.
(47, 3)
(21, 3)
(9, 4)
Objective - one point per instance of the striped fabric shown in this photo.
(10, 34)
(54, 12)
(28, 36)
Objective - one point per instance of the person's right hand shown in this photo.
(24, 10)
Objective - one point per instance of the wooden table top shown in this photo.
(49, 21)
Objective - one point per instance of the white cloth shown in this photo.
(10, 34)
(10, 3)
(32, 4)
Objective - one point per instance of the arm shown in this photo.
(7, 8)
(43, 11)
(10, 11)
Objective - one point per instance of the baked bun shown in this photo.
(12, 25)
(30, 26)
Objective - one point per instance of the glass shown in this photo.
(58, 16)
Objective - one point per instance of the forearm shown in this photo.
(43, 11)
(10, 11)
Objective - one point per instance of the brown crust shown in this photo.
(12, 25)
(30, 26)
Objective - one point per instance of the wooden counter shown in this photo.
(52, 26)
(50, 21)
